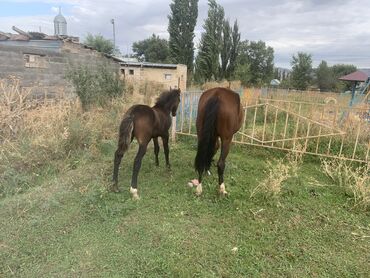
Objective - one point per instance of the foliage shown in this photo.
(153, 49)
(340, 70)
(182, 21)
(95, 86)
(243, 73)
(301, 71)
(234, 51)
(260, 59)
(225, 52)
(207, 61)
(101, 44)
(219, 47)
(324, 77)
(229, 50)
(327, 77)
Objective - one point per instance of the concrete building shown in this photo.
(170, 75)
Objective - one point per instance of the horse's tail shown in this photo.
(125, 131)
(207, 137)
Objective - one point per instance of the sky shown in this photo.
(337, 31)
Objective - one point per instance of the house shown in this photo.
(170, 75)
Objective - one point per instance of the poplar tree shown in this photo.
(207, 62)
(182, 21)
(301, 70)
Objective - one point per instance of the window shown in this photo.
(34, 61)
(131, 72)
(167, 76)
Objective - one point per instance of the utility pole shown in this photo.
(114, 34)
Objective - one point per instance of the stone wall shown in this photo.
(42, 66)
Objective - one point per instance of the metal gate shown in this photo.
(322, 129)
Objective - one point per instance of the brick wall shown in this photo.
(42, 65)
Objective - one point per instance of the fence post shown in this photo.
(173, 130)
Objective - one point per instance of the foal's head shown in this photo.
(169, 101)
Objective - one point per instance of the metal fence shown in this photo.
(314, 124)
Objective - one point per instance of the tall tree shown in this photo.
(182, 21)
(226, 45)
(260, 59)
(324, 77)
(229, 50)
(153, 49)
(301, 70)
(100, 43)
(234, 51)
(207, 61)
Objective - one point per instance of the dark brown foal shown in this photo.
(144, 123)
(220, 116)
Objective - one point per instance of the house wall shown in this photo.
(42, 65)
(168, 77)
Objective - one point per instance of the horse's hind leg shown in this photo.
(137, 165)
(117, 161)
(156, 150)
(221, 164)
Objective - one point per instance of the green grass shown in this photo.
(62, 221)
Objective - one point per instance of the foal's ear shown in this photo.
(170, 88)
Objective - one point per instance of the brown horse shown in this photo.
(220, 115)
(144, 123)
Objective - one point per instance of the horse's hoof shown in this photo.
(199, 190)
(134, 194)
(222, 190)
(135, 197)
(223, 193)
(193, 183)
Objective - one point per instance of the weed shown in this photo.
(355, 180)
(278, 172)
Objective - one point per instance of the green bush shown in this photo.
(95, 86)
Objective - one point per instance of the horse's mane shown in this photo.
(166, 98)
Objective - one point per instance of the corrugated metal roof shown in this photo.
(52, 45)
(149, 65)
(359, 75)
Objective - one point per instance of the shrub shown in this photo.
(95, 86)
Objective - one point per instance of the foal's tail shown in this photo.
(125, 132)
(207, 137)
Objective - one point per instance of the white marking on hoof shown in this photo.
(208, 172)
(134, 193)
(222, 189)
(198, 190)
(193, 182)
